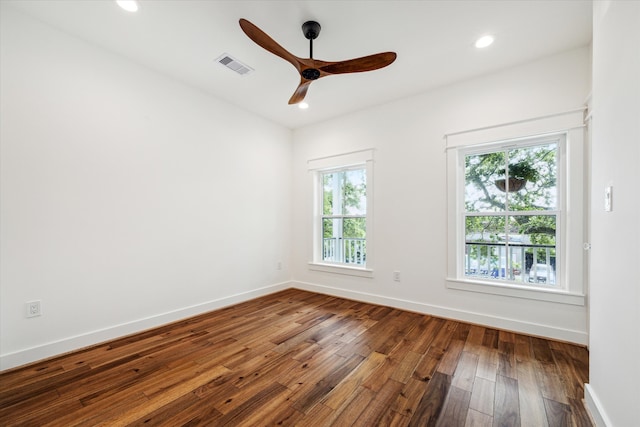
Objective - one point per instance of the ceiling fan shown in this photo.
(312, 69)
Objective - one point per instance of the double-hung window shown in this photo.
(516, 223)
(342, 213)
(511, 214)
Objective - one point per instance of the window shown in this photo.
(517, 215)
(511, 212)
(342, 218)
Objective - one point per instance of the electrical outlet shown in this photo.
(33, 309)
(396, 276)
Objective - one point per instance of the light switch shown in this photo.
(608, 199)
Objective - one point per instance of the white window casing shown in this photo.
(362, 159)
(568, 129)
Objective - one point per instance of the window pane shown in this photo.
(327, 193)
(481, 193)
(486, 260)
(354, 192)
(485, 247)
(533, 239)
(535, 170)
(523, 251)
(354, 228)
(485, 229)
(354, 242)
(330, 249)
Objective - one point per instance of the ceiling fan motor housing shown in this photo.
(311, 74)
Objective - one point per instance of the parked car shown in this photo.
(542, 273)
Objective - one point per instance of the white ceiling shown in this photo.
(433, 40)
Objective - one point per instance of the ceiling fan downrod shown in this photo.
(311, 30)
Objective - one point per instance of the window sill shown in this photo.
(341, 269)
(515, 291)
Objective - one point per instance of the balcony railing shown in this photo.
(344, 250)
(527, 263)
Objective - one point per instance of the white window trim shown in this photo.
(572, 222)
(315, 167)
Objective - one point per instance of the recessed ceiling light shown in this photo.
(128, 5)
(303, 105)
(484, 41)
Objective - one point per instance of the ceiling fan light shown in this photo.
(128, 5)
(303, 105)
(484, 41)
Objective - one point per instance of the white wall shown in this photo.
(613, 393)
(127, 199)
(410, 192)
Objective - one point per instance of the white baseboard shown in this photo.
(568, 335)
(594, 407)
(73, 343)
(77, 342)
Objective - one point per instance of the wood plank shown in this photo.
(488, 361)
(250, 411)
(483, 396)
(449, 361)
(506, 404)
(352, 408)
(373, 414)
(490, 338)
(409, 398)
(532, 410)
(478, 419)
(427, 366)
(432, 402)
(507, 364)
(456, 406)
(579, 413)
(347, 386)
(522, 348)
(179, 412)
(306, 401)
(572, 382)
(317, 417)
(465, 373)
(474, 339)
(426, 332)
(404, 370)
(550, 383)
(558, 414)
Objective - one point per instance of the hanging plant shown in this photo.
(519, 174)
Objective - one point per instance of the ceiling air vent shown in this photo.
(233, 64)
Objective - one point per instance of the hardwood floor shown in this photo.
(298, 358)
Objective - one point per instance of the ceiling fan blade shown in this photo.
(263, 40)
(300, 92)
(357, 65)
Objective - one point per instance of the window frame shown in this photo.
(571, 226)
(342, 217)
(362, 159)
(560, 140)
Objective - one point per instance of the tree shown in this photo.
(507, 196)
(538, 195)
(344, 193)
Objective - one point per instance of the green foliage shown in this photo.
(521, 170)
(353, 189)
(536, 164)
